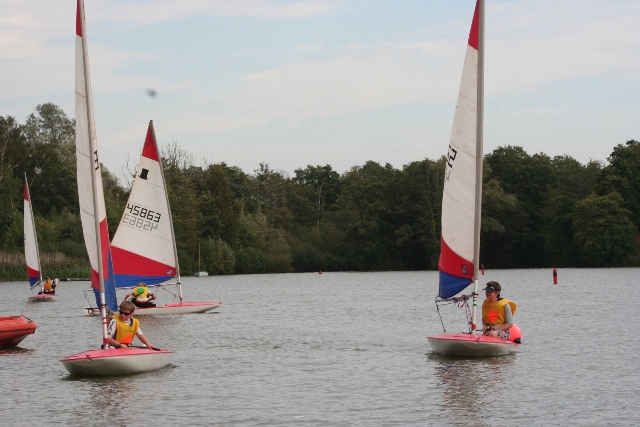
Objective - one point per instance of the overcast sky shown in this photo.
(314, 82)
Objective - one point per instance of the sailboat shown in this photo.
(144, 246)
(106, 361)
(200, 272)
(461, 206)
(31, 252)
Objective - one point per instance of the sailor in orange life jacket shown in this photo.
(49, 287)
(497, 312)
(123, 327)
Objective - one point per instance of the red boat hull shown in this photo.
(13, 329)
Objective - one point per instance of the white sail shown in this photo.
(31, 253)
(144, 247)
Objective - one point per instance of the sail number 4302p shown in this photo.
(140, 217)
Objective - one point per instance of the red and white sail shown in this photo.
(459, 210)
(144, 248)
(31, 253)
(90, 193)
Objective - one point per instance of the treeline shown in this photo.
(537, 211)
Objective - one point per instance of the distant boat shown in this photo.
(144, 246)
(107, 361)
(461, 205)
(13, 329)
(31, 252)
(200, 273)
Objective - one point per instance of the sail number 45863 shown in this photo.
(140, 217)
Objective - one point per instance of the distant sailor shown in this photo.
(141, 296)
(497, 312)
(49, 286)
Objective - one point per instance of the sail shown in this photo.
(31, 254)
(144, 246)
(90, 193)
(456, 263)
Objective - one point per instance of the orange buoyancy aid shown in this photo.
(493, 312)
(48, 285)
(124, 331)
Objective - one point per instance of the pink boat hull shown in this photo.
(116, 361)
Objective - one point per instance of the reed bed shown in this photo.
(13, 266)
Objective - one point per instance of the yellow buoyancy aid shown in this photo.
(48, 285)
(141, 293)
(493, 312)
(124, 331)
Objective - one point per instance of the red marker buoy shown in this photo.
(482, 268)
(555, 276)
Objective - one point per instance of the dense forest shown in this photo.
(537, 211)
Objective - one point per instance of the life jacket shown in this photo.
(124, 331)
(141, 294)
(493, 312)
(48, 285)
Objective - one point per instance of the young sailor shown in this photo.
(497, 312)
(123, 327)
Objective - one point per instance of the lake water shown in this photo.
(340, 349)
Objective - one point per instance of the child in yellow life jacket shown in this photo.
(497, 312)
(141, 296)
(123, 327)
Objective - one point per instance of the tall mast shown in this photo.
(479, 160)
(166, 194)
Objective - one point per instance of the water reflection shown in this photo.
(107, 401)
(468, 385)
(15, 350)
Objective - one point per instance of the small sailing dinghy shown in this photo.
(144, 246)
(200, 272)
(13, 329)
(107, 361)
(31, 252)
(461, 206)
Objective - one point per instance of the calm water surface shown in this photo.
(340, 349)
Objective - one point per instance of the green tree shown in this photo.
(622, 175)
(604, 234)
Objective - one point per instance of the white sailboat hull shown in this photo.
(200, 274)
(42, 298)
(116, 361)
(183, 308)
(470, 345)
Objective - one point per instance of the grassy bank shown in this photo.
(13, 266)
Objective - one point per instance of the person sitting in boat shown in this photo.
(497, 312)
(49, 286)
(123, 327)
(141, 296)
